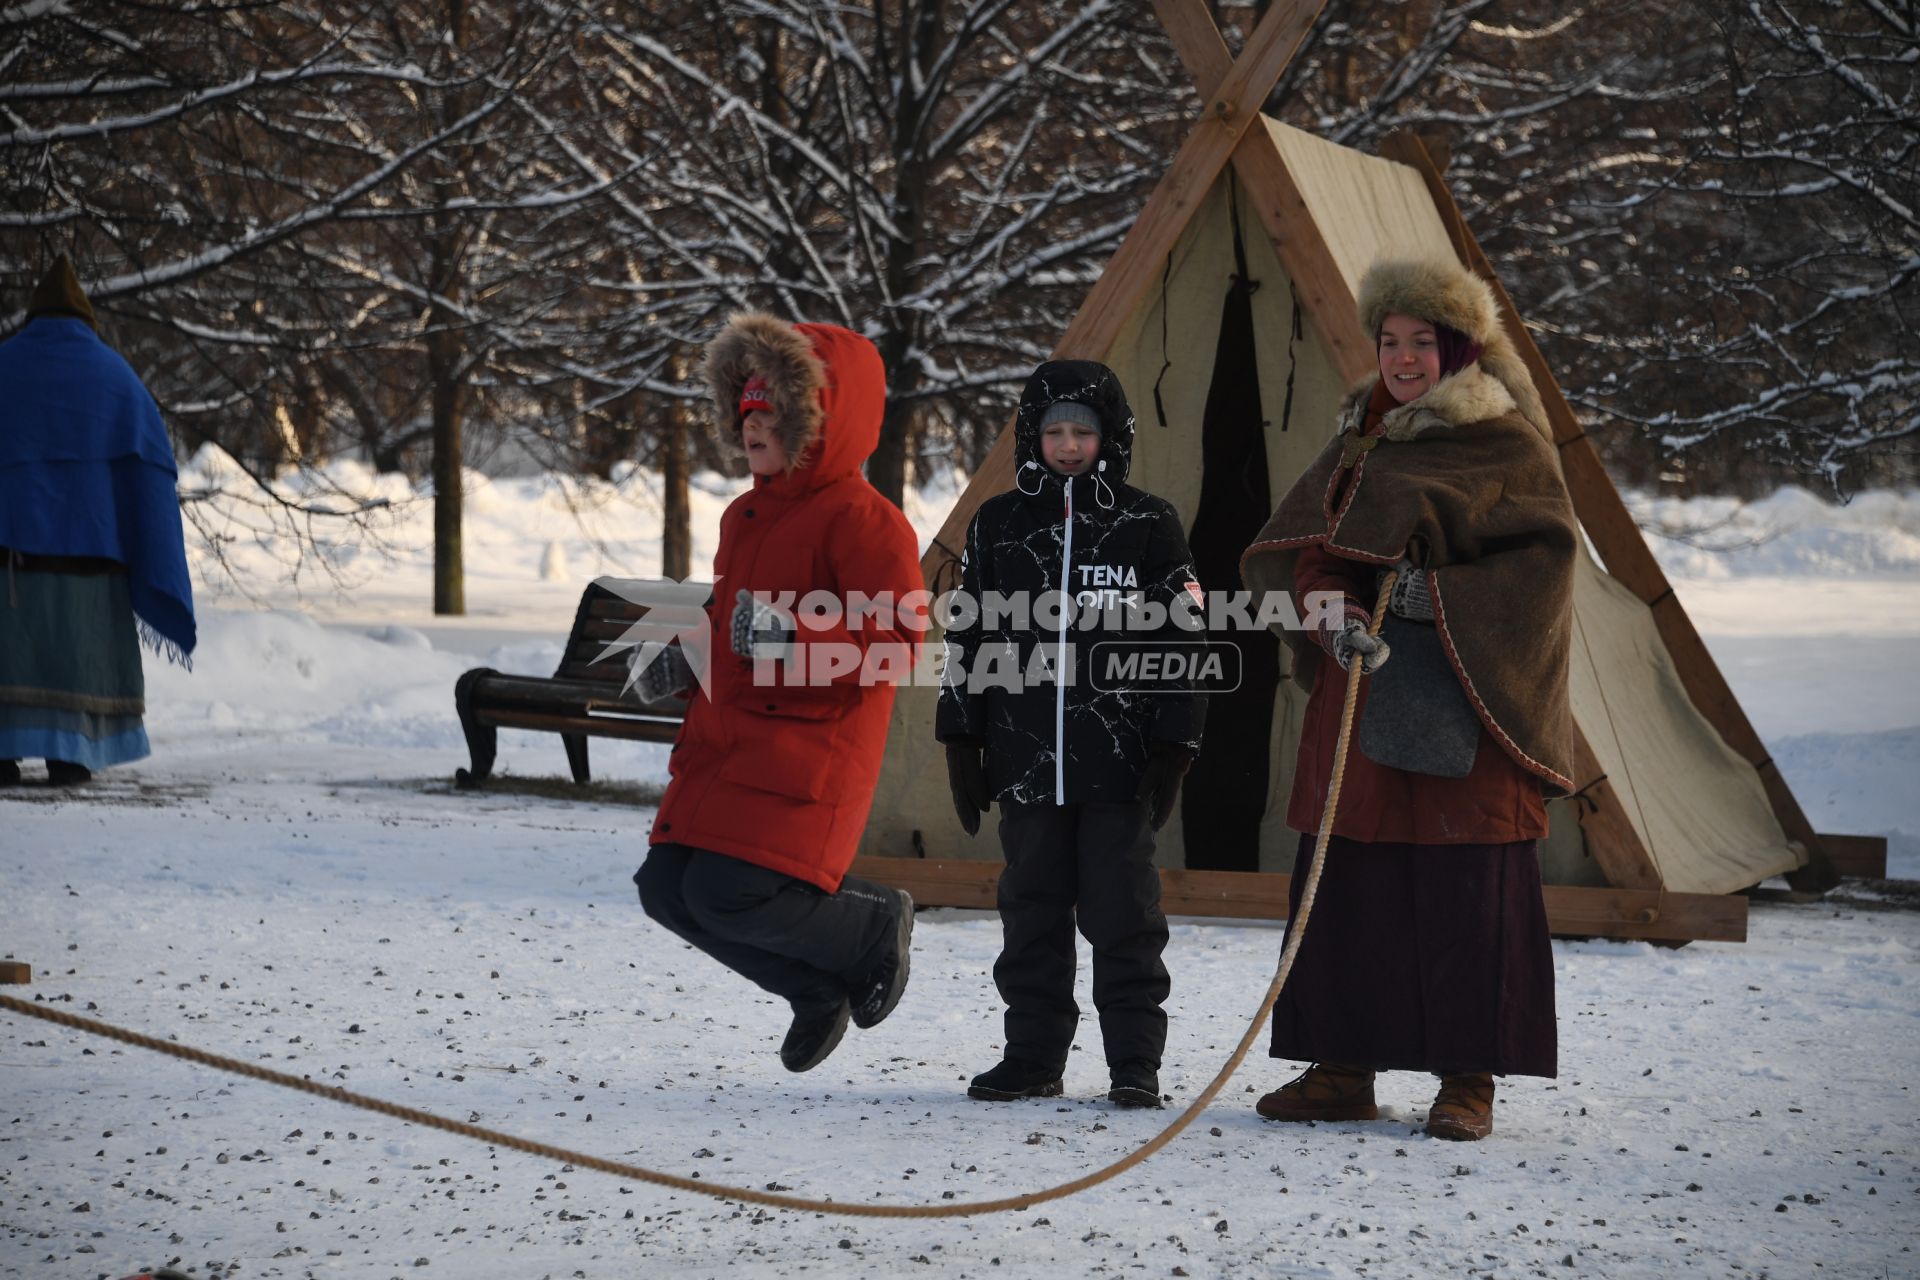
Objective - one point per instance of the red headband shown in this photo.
(754, 395)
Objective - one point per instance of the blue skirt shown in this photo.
(71, 685)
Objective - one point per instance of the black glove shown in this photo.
(1160, 784)
(967, 775)
(758, 629)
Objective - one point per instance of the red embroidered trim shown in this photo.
(1473, 695)
(1335, 517)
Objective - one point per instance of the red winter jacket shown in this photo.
(779, 775)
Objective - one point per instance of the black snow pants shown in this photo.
(1097, 858)
(789, 937)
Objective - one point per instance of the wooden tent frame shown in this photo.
(1635, 904)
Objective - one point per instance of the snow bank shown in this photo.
(1791, 533)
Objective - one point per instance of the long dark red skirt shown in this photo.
(1422, 957)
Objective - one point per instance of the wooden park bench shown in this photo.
(583, 698)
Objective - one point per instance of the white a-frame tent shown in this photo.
(1229, 315)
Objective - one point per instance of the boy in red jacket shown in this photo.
(774, 769)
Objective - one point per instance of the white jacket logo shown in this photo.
(1100, 586)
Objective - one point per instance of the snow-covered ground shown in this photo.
(290, 880)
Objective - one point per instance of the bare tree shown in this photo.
(946, 177)
(1713, 234)
(277, 205)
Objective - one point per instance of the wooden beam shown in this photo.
(1645, 914)
(1862, 857)
(1231, 108)
(1196, 41)
(1618, 539)
(1276, 200)
(15, 973)
(1303, 253)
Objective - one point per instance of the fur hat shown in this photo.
(59, 294)
(1432, 290)
(757, 346)
(1442, 291)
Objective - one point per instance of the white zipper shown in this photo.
(1060, 656)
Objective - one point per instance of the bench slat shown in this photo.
(611, 671)
(539, 691)
(636, 730)
(610, 606)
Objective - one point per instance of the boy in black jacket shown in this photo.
(1086, 765)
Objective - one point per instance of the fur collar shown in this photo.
(754, 342)
(1471, 395)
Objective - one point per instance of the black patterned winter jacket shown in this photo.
(1119, 550)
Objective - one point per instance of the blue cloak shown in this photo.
(86, 469)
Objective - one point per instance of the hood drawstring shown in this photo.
(1100, 485)
(1102, 491)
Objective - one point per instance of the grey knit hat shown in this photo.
(1072, 411)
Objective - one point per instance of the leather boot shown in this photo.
(1463, 1111)
(1324, 1091)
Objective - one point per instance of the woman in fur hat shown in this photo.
(1428, 947)
(774, 769)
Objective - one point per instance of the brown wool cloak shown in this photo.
(1465, 485)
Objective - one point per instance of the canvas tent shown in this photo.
(1229, 316)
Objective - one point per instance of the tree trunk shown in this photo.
(443, 363)
(676, 534)
(444, 355)
(887, 468)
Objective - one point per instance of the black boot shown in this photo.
(815, 1033)
(1135, 1085)
(1013, 1079)
(875, 998)
(65, 773)
(9, 772)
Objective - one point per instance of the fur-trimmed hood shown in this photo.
(827, 384)
(1444, 292)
